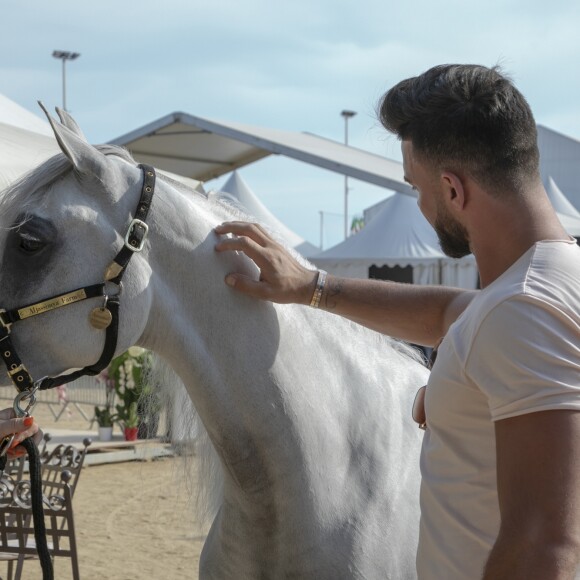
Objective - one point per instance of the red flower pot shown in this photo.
(131, 433)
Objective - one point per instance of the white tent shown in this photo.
(569, 216)
(239, 190)
(25, 141)
(398, 235)
(13, 114)
(20, 151)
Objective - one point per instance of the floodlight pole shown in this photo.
(347, 115)
(64, 55)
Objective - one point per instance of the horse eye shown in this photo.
(30, 244)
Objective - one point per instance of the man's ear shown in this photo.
(453, 190)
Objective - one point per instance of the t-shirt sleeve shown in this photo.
(526, 357)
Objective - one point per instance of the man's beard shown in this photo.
(453, 237)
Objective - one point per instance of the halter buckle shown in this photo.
(16, 369)
(131, 239)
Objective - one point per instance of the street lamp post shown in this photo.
(64, 55)
(347, 115)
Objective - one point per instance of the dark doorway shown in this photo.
(392, 273)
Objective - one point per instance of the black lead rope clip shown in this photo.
(20, 413)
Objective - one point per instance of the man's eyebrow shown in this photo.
(407, 180)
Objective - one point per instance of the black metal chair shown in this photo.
(61, 469)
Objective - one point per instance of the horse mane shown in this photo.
(201, 470)
(25, 190)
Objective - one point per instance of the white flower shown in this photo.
(135, 351)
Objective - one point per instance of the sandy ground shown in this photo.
(132, 519)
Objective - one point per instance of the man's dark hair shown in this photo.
(466, 118)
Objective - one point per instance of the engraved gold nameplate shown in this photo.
(100, 318)
(51, 304)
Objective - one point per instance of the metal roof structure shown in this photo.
(204, 149)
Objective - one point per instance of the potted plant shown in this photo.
(131, 423)
(135, 396)
(105, 420)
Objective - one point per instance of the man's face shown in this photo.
(453, 237)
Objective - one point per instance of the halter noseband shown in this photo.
(107, 316)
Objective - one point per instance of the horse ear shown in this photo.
(70, 123)
(85, 158)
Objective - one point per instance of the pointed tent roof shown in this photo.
(397, 235)
(22, 150)
(25, 141)
(559, 200)
(569, 216)
(239, 189)
(13, 114)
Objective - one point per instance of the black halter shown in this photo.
(134, 241)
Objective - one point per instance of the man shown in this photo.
(500, 464)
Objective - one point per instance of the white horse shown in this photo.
(309, 414)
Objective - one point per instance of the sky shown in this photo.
(286, 65)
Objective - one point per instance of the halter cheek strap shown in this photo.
(133, 242)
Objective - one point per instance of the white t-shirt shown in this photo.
(514, 350)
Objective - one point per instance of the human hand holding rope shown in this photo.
(282, 278)
(21, 428)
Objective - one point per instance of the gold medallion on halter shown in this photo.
(100, 318)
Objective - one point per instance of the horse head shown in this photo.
(60, 227)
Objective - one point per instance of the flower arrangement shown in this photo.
(128, 373)
(132, 419)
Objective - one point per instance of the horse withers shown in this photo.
(308, 414)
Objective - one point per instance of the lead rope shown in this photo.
(36, 503)
(38, 509)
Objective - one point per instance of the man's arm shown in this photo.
(538, 472)
(418, 314)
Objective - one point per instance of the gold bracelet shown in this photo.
(320, 283)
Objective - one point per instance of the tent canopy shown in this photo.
(13, 114)
(239, 190)
(205, 149)
(398, 235)
(21, 150)
(568, 215)
(25, 141)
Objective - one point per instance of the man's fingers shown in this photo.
(247, 286)
(247, 245)
(249, 230)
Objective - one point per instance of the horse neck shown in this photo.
(222, 345)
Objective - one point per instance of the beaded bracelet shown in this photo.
(320, 282)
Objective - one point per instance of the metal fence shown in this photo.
(84, 391)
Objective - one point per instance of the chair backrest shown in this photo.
(16, 522)
(63, 457)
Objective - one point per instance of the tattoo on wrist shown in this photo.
(332, 291)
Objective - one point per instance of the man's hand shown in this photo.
(282, 278)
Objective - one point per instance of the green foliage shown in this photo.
(128, 372)
(104, 417)
(132, 419)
